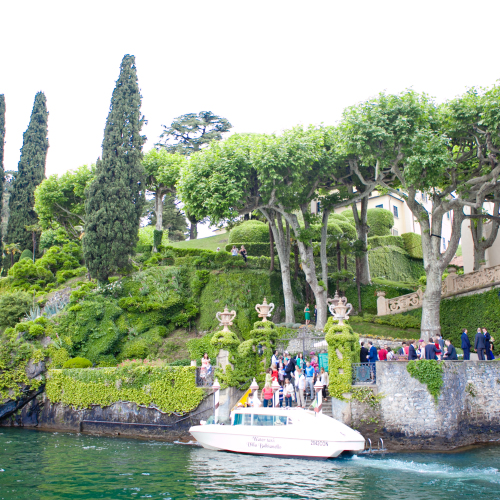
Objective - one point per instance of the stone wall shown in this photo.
(467, 412)
(122, 419)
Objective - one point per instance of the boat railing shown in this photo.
(364, 373)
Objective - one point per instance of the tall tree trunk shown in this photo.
(481, 244)
(323, 256)
(362, 228)
(271, 247)
(193, 226)
(296, 259)
(308, 265)
(281, 238)
(432, 299)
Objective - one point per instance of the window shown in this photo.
(265, 420)
(448, 215)
(395, 232)
(444, 243)
(395, 211)
(318, 207)
(379, 206)
(242, 419)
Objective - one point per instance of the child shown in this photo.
(281, 373)
(274, 373)
(288, 393)
(281, 396)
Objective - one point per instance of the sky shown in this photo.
(264, 65)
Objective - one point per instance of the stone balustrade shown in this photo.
(453, 284)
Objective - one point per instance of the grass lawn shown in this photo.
(385, 331)
(210, 243)
(400, 284)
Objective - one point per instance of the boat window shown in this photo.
(242, 419)
(290, 421)
(263, 420)
(280, 420)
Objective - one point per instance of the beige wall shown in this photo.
(492, 254)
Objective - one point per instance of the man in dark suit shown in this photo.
(412, 352)
(431, 351)
(465, 344)
(480, 344)
(363, 353)
(372, 353)
(487, 338)
(451, 352)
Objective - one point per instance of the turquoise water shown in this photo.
(40, 465)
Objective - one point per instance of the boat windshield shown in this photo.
(261, 420)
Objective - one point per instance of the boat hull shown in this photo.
(232, 439)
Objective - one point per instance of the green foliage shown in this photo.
(341, 217)
(395, 264)
(115, 198)
(13, 307)
(366, 395)
(429, 372)
(341, 338)
(224, 340)
(169, 389)
(249, 231)
(383, 241)
(2, 144)
(380, 221)
(369, 295)
(60, 205)
(413, 245)
(30, 173)
(26, 254)
(58, 356)
(201, 278)
(402, 321)
(198, 347)
(77, 363)
(239, 291)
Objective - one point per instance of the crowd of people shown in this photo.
(435, 348)
(296, 377)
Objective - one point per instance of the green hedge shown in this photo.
(471, 312)
(239, 290)
(13, 306)
(413, 245)
(383, 241)
(250, 231)
(379, 220)
(170, 389)
(27, 254)
(394, 263)
(369, 295)
(254, 249)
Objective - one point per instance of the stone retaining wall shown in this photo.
(467, 412)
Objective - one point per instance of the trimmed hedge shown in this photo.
(413, 245)
(27, 254)
(250, 231)
(379, 220)
(394, 263)
(254, 249)
(383, 241)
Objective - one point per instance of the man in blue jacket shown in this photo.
(465, 344)
(372, 359)
(412, 352)
(487, 340)
(480, 344)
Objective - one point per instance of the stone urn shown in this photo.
(225, 318)
(264, 309)
(341, 310)
(334, 301)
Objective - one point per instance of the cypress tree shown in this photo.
(115, 199)
(30, 173)
(2, 142)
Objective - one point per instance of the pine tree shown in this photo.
(2, 142)
(30, 173)
(115, 198)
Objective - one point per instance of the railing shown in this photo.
(364, 373)
(205, 378)
(453, 284)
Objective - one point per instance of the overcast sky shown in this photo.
(264, 65)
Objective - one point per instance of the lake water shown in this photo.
(40, 465)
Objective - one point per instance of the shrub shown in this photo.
(13, 306)
(198, 347)
(57, 357)
(27, 254)
(379, 220)
(340, 217)
(393, 263)
(383, 241)
(347, 228)
(250, 231)
(413, 245)
(27, 271)
(77, 363)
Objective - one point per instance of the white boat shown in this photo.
(290, 432)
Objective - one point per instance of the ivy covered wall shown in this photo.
(169, 389)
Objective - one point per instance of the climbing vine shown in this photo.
(366, 395)
(169, 389)
(429, 372)
(343, 350)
